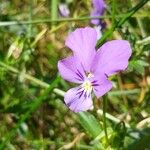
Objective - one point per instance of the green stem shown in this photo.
(140, 23)
(58, 91)
(131, 12)
(104, 118)
(121, 22)
(113, 12)
(112, 118)
(27, 76)
(31, 78)
(30, 19)
(40, 21)
(37, 102)
(54, 10)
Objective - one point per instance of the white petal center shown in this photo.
(87, 86)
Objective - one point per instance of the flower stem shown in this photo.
(104, 118)
(54, 11)
(33, 107)
(84, 18)
(58, 91)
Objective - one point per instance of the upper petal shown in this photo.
(82, 42)
(71, 70)
(112, 57)
(77, 102)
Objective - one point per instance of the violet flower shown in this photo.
(64, 10)
(91, 68)
(98, 10)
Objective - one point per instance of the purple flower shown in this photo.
(91, 68)
(98, 10)
(64, 10)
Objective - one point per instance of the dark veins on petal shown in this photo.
(85, 95)
(94, 83)
(73, 100)
(80, 93)
(79, 104)
(78, 73)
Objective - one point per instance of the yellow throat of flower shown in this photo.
(87, 86)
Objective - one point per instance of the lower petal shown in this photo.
(101, 85)
(77, 101)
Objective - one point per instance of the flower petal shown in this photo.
(82, 42)
(95, 13)
(98, 31)
(98, 10)
(70, 69)
(99, 5)
(112, 57)
(77, 101)
(101, 85)
(64, 10)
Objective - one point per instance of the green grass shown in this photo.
(33, 114)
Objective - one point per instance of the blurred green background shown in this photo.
(33, 115)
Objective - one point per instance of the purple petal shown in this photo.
(64, 10)
(101, 85)
(98, 10)
(82, 42)
(112, 57)
(94, 13)
(99, 5)
(70, 69)
(77, 102)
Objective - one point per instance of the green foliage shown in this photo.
(33, 114)
(138, 66)
(90, 124)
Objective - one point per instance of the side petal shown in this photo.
(101, 85)
(112, 57)
(82, 42)
(76, 101)
(70, 69)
